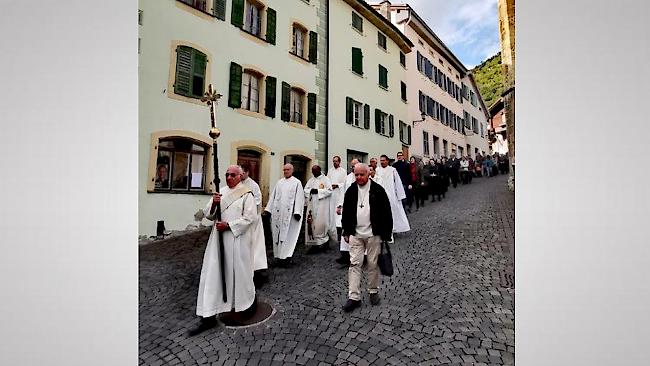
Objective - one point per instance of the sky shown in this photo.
(469, 28)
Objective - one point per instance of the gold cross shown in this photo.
(211, 98)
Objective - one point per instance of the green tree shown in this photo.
(489, 78)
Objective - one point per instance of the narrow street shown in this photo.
(450, 301)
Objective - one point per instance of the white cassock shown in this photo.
(395, 190)
(377, 179)
(238, 209)
(349, 179)
(319, 209)
(287, 199)
(336, 176)
(259, 247)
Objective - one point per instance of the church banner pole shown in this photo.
(211, 98)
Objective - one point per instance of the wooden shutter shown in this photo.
(311, 110)
(402, 58)
(349, 110)
(270, 25)
(285, 103)
(357, 60)
(313, 47)
(182, 83)
(234, 93)
(366, 116)
(391, 126)
(271, 86)
(377, 120)
(401, 131)
(199, 60)
(383, 76)
(408, 129)
(237, 13)
(403, 91)
(219, 9)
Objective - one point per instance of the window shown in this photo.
(419, 62)
(383, 76)
(436, 145)
(482, 134)
(250, 91)
(444, 147)
(299, 37)
(196, 4)
(357, 61)
(402, 58)
(297, 97)
(180, 165)
(403, 90)
(381, 40)
(190, 72)
(357, 117)
(357, 22)
(474, 125)
(382, 123)
(252, 18)
(140, 17)
(425, 138)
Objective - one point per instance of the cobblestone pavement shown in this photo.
(450, 301)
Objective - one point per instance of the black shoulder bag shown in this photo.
(385, 260)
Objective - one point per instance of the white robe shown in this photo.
(319, 208)
(240, 214)
(286, 200)
(377, 179)
(336, 176)
(349, 179)
(395, 191)
(259, 247)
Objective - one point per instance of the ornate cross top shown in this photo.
(211, 98)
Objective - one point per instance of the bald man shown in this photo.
(285, 207)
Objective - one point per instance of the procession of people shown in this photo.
(358, 211)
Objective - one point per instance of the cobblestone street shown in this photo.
(450, 301)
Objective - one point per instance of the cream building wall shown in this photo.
(345, 83)
(168, 23)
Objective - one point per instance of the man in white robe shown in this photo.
(259, 247)
(375, 178)
(319, 224)
(286, 206)
(395, 190)
(344, 259)
(337, 178)
(238, 215)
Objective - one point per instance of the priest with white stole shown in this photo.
(319, 223)
(395, 191)
(344, 259)
(286, 206)
(337, 178)
(259, 247)
(237, 225)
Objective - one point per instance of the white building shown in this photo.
(262, 56)
(440, 87)
(367, 105)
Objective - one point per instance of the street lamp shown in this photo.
(211, 98)
(423, 118)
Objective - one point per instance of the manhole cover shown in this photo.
(236, 320)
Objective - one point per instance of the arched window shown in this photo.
(180, 165)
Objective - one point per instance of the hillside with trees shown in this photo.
(489, 78)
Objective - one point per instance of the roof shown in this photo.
(367, 11)
(496, 107)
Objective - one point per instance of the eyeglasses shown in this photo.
(231, 175)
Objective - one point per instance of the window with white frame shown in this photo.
(253, 18)
(357, 117)
(250, 91)
(299, 39)
(297, 101)
(425, 140)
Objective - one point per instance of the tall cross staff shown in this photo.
(211, 98)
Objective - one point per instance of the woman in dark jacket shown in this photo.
(435, 180)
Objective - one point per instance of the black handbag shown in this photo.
(385, 260)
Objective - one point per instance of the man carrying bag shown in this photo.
(367, 221)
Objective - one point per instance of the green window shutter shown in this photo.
(234, 94)
(313, 47)
(285, 103)
(401, 131)
(408, 129)
(237, 13)
(271, 86)
(182, 83)
(403, 91)
(377, 120)
(391, 126)
(311, 110)
(402, 58)
(349, 110)
(198, 73)
(357, 60)
(270, 25)
(219, 9)
(383, 76)
(366, 116)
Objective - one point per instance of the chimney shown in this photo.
(384, 9)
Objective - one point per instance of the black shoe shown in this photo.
(205, 324)
(351, 305)
(374, 299)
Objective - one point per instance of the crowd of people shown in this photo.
(357, 210)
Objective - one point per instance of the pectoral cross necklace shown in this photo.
(363, 199)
